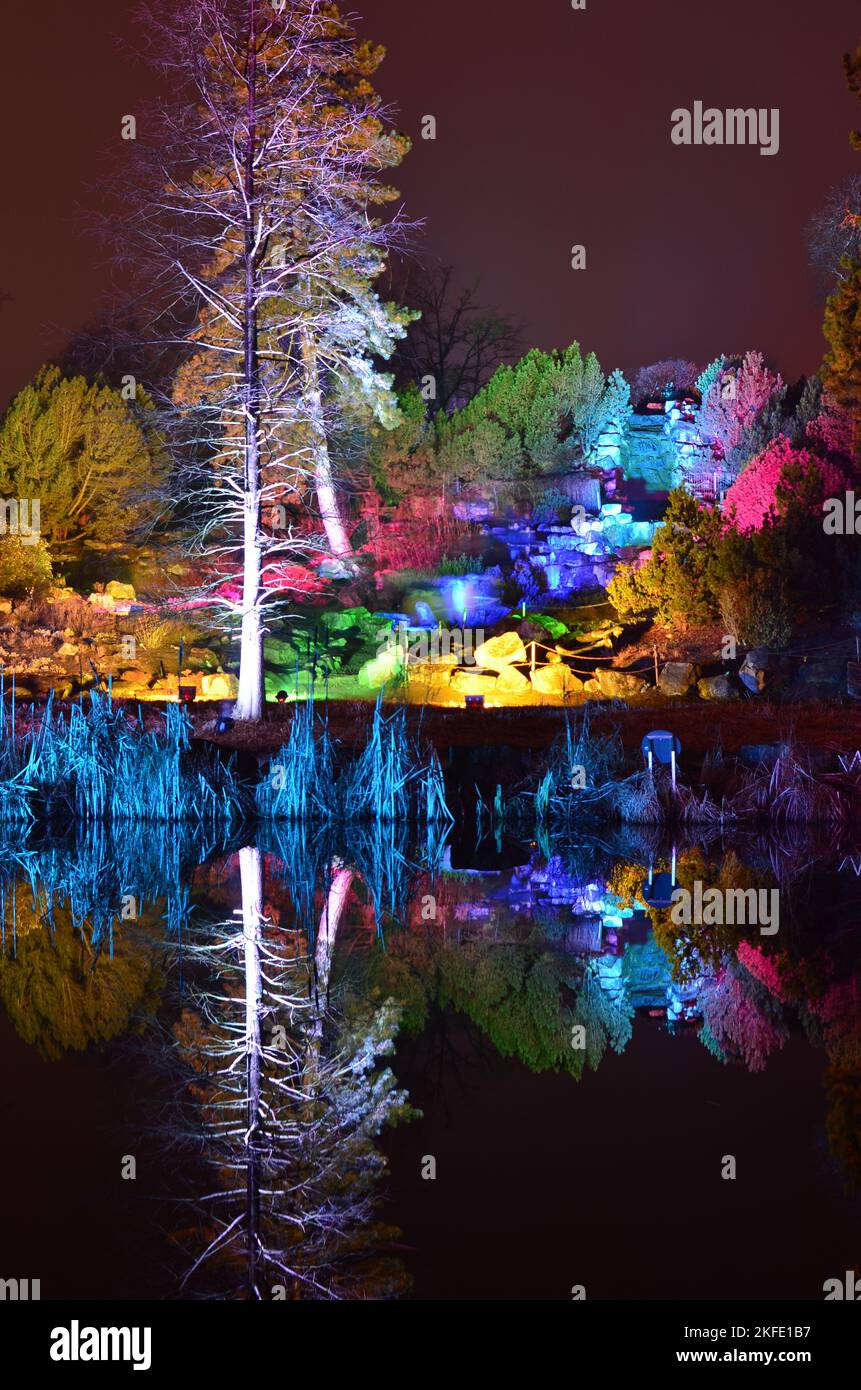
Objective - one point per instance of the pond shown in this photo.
(299, 1066)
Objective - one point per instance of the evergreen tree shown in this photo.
(261, 180)
(542, 415)
(841, 369)
(93, 459)
(742, 409)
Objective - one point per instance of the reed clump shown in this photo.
(98, 763)
(392, 779)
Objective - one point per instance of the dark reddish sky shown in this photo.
(554, 129)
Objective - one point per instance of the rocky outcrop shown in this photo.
(220, 685)
(510, 681)
(677, 678)
(499, 652)
(619, 685)
(718, 688)
(123, 593)
(754, 670)
(558, 681)
(471, 683)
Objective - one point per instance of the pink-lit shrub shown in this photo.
(781, 474)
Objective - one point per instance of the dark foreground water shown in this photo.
(215, 1055)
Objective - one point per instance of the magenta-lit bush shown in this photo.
(778, 476)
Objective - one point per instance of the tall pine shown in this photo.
(841, 369)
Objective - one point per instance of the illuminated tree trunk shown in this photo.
(251, 878)
(336, 901)
(249, 704)
(324, 482)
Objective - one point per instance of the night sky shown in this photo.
(553, 129)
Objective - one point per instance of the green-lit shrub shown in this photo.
(674, 582)
(702, 569)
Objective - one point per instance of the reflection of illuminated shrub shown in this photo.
(514, 994)
(62, 994)
(843, 1125)
(742, 1017)
(626, 883)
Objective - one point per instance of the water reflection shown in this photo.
(265, 983)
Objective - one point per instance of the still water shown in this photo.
(352, 1066)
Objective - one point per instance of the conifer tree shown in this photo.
(841, 369)
(92, 459)
(262, 181)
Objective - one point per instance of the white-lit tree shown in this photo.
(740, 410)
(285, 1099)
(257, 184)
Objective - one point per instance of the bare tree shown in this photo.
(284, 1106)
(835, 232)
(456, 344)
(256, 182)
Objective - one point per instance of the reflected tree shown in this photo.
(286, 1099)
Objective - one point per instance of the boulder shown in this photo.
(717, 688)
(220, 685)
(125, 593)
(531, 631)
(68, 649)
(436, 672)
(106, 601)
(510, 681)
(619, 685)
(388, 666)
(555, 680)
(334, 568)
(600, 636)
(754, 670)
(470, 683)
(499, 652)
(819, 680)
(281, 655)
(677, 677)
(542, 627)
(763, 669)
